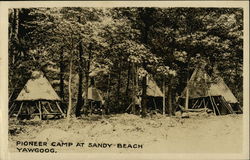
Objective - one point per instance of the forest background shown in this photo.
(118, 47)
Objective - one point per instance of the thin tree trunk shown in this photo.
(61, 79)
(69, 88)
(80, 74)
(137, 86)
(12, 22)
(128, 79)
(170, 97)
(144, 94)
(16, 25)
(164, 97)
(86, 87)
(87, 80)
(136, 80)
(133, 89)
(144, 40)
(187, 88)
(61, 75)
(187, 96)
(118, 85)
(108, 95)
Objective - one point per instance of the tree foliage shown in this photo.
(115, 42)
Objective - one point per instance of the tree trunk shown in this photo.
(144, 94)
(170, 108)
(187, 88)
(61, 80)
(133, 89)
(128, 79)
(145, 16)
(118, 85)
(14, 36)
(69, 88)
(15, 25)
(86, 101)
(187, 96)
(86, 88)
(108, 95)
(137, 86)
(164, 96)
(80, 74)
(61, 75)
(136, 80)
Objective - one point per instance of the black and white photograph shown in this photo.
(126, 79)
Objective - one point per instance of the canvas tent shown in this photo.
(94, 94)
(209, 92)
(95, 99)
(153, 89)
(154, 94)
(37, 98)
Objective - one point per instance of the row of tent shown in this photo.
(38, 98)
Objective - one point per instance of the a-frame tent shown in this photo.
(209, 92)
(37, 98)
(94, 97)
(94, 94)
(154, 94)
(153, 89)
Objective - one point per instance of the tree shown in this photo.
(113, 44)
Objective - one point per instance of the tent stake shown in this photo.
(229, 105)
(129, 107)
(50, 107)
(199, 105)
(212, 104)
(45, 109)
(11, 107)
(60, 109)
(19, 111)
(40, 110)
(195, 104)
(12, 110)
(216, 106)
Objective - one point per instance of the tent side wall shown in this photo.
(217, 104)
(41, 108)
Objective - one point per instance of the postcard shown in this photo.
(124, 80)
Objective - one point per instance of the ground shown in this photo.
(156, 133)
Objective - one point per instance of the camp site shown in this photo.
(153, 80)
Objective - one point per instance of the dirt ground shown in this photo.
(156, 134)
